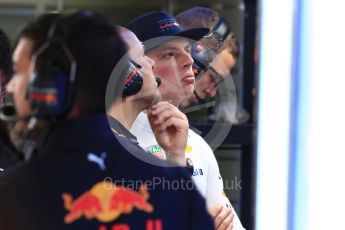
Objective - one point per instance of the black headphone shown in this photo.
(50, 88)
(202, 55)
(133, 79)
(219, 33)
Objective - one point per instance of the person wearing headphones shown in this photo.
(175, 123)
(218, 55)
(223, 48)
(170, 47)
(215, 57)
(87, 172)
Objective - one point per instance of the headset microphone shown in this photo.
(159, 81)
(8, 111)
(8, 114)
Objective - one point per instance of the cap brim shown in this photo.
(195, 34)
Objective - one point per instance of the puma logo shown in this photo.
(92, 157)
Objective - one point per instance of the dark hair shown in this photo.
(5, 59)
(196, 17)
(96, 46)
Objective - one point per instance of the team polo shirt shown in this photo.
(206, 174)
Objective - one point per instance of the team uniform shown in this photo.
(7, 157)
(206, 172)
(85, 178)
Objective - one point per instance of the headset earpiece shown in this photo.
(202, 57)
(219, 33)
(51, 82)
(133, 81)
(47, 91)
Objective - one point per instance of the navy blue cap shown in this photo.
(157, 24)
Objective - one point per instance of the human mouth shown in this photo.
(188, 79)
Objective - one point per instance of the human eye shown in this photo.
(212, 79)
(168, 54)
(215, 77)
(189, 49)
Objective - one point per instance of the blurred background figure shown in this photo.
(215, 56)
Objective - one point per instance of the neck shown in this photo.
(124, 112)
(172, 99)
(187, 101)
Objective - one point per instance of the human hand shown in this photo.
(223, 217)
(170, 127)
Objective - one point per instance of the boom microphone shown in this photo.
(159, 81)
(8, 111)
(8, 114)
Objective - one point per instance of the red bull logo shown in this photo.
(150, 225)
(106, 202)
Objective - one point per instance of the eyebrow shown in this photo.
(171, 47)
(217, 77)
(163, 48)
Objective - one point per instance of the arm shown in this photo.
(222, 212)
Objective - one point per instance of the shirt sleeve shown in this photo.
(215, 189)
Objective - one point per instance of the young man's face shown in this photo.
(206, 86)
(18, 84)
(149, 93)
(174, 66)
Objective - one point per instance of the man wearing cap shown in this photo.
(170, 46)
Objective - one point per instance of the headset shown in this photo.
(133, 81)
(50, 89)
(202, 55)
(219, 33)
(51, 83)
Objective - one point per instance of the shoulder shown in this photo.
(196, 139)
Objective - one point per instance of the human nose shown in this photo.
(187, 60)
(212, 91)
